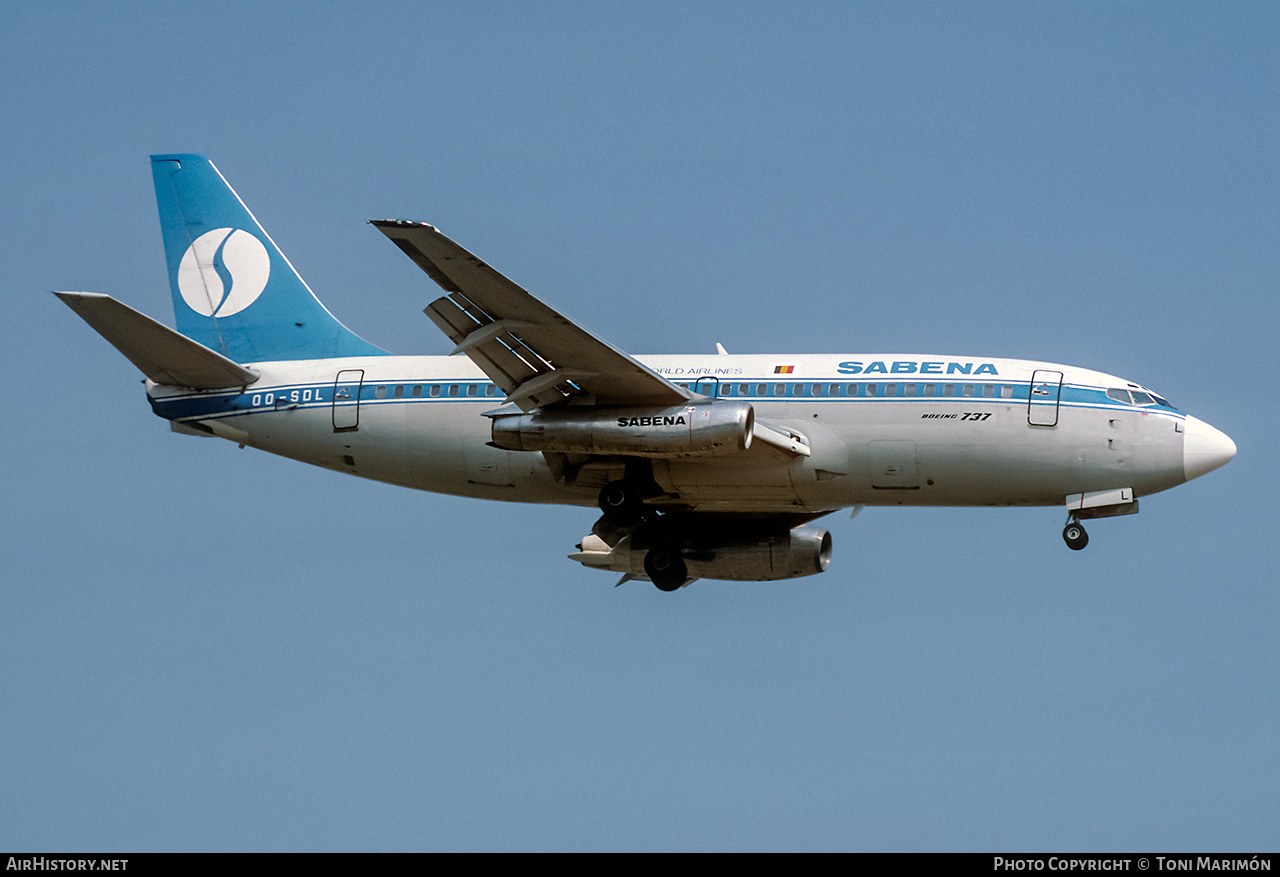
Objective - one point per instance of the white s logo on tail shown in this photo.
(223, 272)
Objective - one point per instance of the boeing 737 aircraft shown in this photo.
(710, 466)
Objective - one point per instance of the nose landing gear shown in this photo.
(1074, 535)
(1095, 504)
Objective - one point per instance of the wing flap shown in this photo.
(164, 355)
(482, 342)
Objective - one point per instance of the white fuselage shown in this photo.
(881, 430)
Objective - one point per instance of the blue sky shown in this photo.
(207, 648)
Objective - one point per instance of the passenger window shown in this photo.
(399, 393)
(815, 389)
(988, 390)
(380, 391)
(471, 389)
(779, 389)
(453, 389)
(417, 390)
(928, 389)
(948, 389)
(1007, 391)
(890, 389)
(491, 390)
(909, 390)
(968, 389)
(871, 389)
(833, 390)
(435, 389)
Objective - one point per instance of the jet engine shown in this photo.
(760, 555)
(696, 429)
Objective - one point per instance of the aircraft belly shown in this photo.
(711, 483)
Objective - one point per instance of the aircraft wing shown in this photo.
(536, 355)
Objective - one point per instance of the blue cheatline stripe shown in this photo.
(200, 406)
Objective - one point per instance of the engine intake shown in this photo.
(696, 429)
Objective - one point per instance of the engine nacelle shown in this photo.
(696, 429)
(760, 556)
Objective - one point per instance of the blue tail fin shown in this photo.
(233, 290)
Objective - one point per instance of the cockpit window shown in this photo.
(1137, 397)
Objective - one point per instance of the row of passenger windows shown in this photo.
(414, 391)
(989, 391)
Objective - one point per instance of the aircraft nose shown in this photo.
(1204, 448)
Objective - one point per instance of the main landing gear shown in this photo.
(1074, 535)
(622, 503)
(665, 567)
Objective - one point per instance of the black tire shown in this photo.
(621, 503)
(665, 568)
(1075, 536)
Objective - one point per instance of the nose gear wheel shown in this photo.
(1074, 535)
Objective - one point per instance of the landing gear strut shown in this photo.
(1074, 535)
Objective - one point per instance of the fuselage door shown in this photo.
(1042, 403)
(346, 400)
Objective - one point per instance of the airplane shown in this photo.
(714, 466)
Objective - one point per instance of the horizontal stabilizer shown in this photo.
(165, 356)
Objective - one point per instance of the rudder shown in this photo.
(233, 290)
